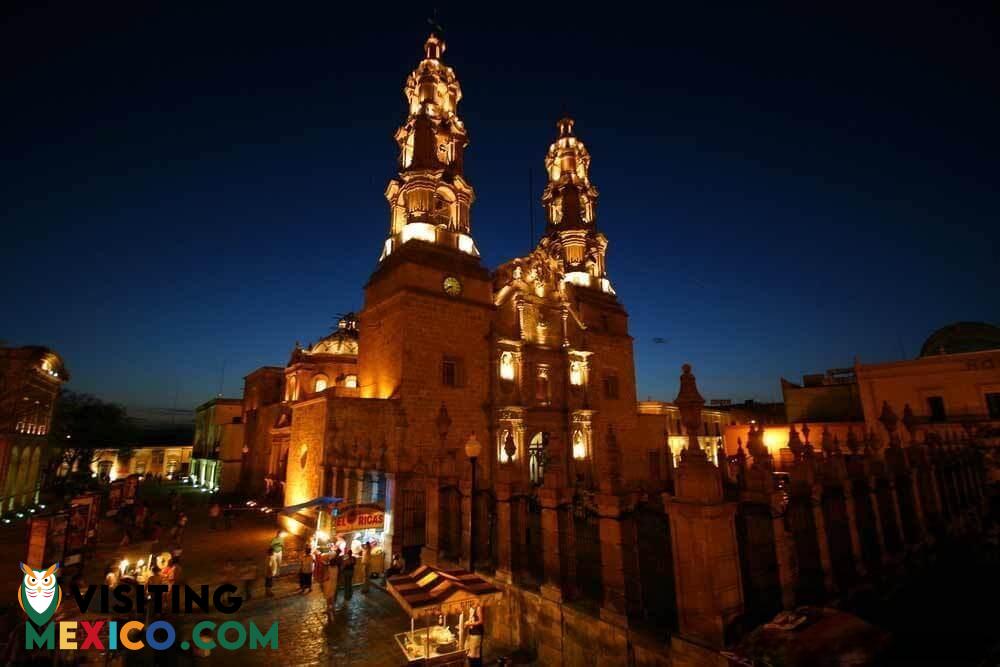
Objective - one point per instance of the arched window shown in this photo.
(293, 389)
(320, 382)
(536, 457)
(579, 446)
(351, 381)
(576, 373)
(507, 366)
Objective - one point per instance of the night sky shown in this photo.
(187, 189)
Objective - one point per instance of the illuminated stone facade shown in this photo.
(168, 460)
(596, 514)
(30, 378)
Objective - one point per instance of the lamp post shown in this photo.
(472, 449)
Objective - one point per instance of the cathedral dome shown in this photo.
(962, 337)
(343, 341)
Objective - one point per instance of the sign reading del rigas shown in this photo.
(358, 517)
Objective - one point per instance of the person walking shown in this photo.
(155, 579)
(396, 566)
(332, 582)
(305, 571)
(347, 568)
(214, 512)
(321, 571)
(270, 572)
(278, 545)
(366, 564)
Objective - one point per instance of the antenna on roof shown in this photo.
(222, 377)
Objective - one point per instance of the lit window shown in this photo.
(542, 385)
(320, 383)
(536, 457)
(351, 381)
(579, 446)
(576, 373)
(507, 366)
(505, 456)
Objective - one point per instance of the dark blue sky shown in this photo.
(183, 186)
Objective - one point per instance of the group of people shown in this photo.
(216, 511)
(332, 570)
(139, 522)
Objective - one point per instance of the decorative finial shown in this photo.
(565, 126)
(794, 443)
(890, 421)
(826, 442)
(690, 402)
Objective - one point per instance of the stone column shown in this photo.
(613, 609)
(703, 533)
(357, 484)
(852, 524)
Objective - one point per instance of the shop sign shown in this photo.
(358, 517)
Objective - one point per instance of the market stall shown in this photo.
(346, 528)
(435, 597)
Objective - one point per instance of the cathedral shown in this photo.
(524, 374)
(487, 419)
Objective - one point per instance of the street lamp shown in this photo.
(472, 449)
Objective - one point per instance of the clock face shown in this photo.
(452, 286)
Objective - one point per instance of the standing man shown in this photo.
(270, 572)
(213, 516)
(278, 545)
(321, 571)
(474, 638)
(306, 572)
(333, 582)
(366, 563)
(347, 567)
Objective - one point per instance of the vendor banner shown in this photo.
(352, 518)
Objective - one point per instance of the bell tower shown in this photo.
(428, 304)
(430, 199)
(570, 202)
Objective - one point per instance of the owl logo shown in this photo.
(39, 594)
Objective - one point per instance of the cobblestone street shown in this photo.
(362, 632)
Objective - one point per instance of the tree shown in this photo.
(83, 424)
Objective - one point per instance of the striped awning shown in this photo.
(428, 590)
